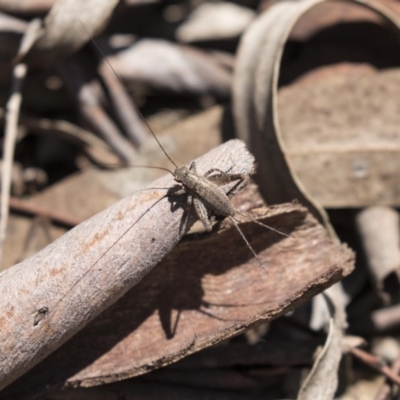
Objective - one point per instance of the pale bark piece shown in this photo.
(386, 318)
(255, 103)
(215, 21)
(379, 229)
(51, 296)
(386, 348)
(184, 69)
(205, 291)
(26, 6)
(41, 6)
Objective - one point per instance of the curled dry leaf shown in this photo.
(322, 381)
(255, 99)
(330, 14)
(329, 120)
(66, 28)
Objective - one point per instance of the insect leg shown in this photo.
(223, 179)
(209, 172)
(264, 225)
(235, 222)
(186, 216)
(202, 213)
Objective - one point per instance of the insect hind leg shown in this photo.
(261, 224)
(183, 228)
(235, 222)
(202, 213)
(223, 178)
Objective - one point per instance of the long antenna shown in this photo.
(139, 112)
(151, 167)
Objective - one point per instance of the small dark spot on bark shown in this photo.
(40, 315)
(153, 240)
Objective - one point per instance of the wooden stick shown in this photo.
(49, 297)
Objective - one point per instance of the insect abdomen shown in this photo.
(215, 199)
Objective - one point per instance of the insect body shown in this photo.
(208, 199)
(204, 191)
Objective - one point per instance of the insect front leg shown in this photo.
(202, 213)
(186, 216)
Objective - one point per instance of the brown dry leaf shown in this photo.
(255, 100)
(339, 125)
(329, 14)
(198, 296)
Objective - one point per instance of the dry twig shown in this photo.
(11, 129)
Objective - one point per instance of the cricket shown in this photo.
(204, 192)
(205, 195)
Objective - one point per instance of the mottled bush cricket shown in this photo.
(208, 199)
(204, 193)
